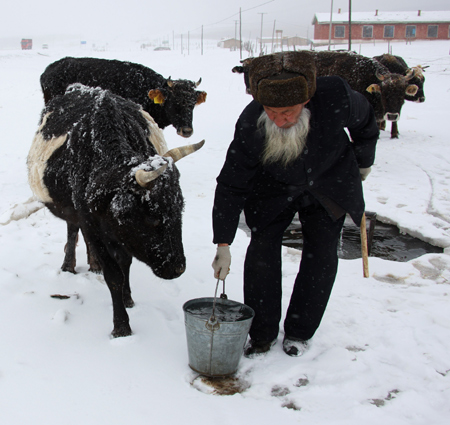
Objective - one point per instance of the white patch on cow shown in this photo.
(156, 134)
(41, 150)
(390, 116)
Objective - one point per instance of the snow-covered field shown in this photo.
(381, 354)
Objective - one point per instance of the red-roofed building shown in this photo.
(367, 26)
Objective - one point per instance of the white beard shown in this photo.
(284, 145)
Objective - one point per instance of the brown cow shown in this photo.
(385, 91)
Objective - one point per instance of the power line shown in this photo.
(236, 14)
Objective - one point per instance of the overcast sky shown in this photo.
(151, 19)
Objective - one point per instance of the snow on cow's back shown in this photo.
(113, 127)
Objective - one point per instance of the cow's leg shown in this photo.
(70, 254)
(394, 130)
(94, 265)
(114, 278)
(125, 263)
(382, 125)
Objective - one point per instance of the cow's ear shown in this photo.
(412, 89)
(374, 88)
(201, 98)
(157, 96)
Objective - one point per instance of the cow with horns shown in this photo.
(385, 91)
(397, 64)
(169, 102)
(100, 163)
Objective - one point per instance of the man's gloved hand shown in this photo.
(222, 262)
(364, 172)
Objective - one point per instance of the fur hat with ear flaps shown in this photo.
(282, 79)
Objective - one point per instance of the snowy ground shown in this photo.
(381, 354)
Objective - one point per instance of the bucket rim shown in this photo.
(219, 301)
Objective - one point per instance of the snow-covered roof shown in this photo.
(380, 17)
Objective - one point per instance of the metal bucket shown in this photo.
(216, 331)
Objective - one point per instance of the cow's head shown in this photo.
(243, 69)
(391, 90)
(419, 80)
(147, 217)
(179, 97)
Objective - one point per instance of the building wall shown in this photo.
(229, 44)
(321, 31)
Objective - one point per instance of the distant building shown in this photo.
(295, 41)
(367, 26)
(280, 42)
(26, 43)
(229, 43)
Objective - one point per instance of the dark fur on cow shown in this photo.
(385, 91)
(397, 64)
(169, 102)
(88, 164)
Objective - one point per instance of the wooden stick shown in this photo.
(364, 248)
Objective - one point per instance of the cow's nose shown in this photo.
(185, 131)
(180, 270)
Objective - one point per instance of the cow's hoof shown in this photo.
(120, 331)
(66, 268)
(96, 269)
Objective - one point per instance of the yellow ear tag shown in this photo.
(159, 99)
(156, 96)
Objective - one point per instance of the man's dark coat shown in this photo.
(327, 169)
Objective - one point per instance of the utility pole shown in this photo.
(235, 34)
(331, 24)
(273, 32)
(349, 25)
(202, 40)
(240, 32)
(260, 38)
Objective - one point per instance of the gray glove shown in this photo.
(364, 172)
(222, 262)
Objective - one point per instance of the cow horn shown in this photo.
(170, 82)
(411, 73)
(198, 82)
(145, 177)
(177, 153)
(381, 77)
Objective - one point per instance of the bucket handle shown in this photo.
(223, 296)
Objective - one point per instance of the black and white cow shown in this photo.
(100, 163)
(169, 102)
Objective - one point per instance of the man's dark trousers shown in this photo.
(314, 282)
